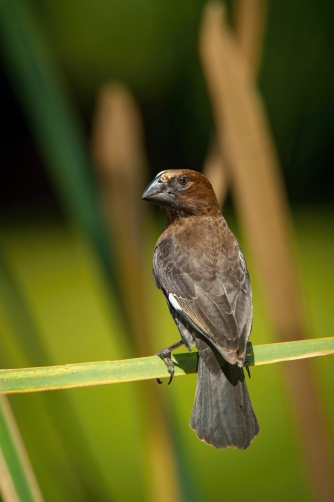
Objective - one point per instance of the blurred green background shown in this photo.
(61, 293)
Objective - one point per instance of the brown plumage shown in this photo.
(202, 273)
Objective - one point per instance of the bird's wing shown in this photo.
(208, 289)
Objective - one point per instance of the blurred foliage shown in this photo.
(57, 303)
(69, 288)
(140, 42)
(14, 461)
(59, 137)
(66, 293)
(153, 48)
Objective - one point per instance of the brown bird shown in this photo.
(199, 267)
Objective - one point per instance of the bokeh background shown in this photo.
(96, 98)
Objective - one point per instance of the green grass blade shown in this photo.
(17, 479)
(289, 351)
(145, 368)
(44, 99)
(39, 259)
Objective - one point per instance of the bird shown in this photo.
(200, 269)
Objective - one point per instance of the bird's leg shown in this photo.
(166, 356)
(246, 365)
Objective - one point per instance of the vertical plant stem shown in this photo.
(261, 202)
(249, 26)
(216, 170)
(121, 168)
(17, 480)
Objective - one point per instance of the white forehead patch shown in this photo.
(167, 176)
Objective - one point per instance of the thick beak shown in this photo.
(156, 192)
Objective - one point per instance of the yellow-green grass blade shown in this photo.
(65, 290)
(32, 69)
(145, 368)
(289, 351)
(24, 333)
(18, 482)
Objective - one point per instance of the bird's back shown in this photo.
(198, 260)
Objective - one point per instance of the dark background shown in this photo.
(296, 80)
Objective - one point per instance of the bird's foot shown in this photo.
(166, 356)
(246, 365)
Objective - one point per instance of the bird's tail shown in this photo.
(222, 415)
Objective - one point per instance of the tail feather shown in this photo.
(223, 415)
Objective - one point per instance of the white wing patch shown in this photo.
(174, 302)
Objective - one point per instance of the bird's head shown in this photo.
(182, 192)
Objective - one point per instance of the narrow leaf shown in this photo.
(145, 368)
(17, 480)
(44, 99)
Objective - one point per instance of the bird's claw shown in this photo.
(166, 356)
(246, 365)
(170, 368)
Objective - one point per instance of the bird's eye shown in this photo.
(182, 180)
